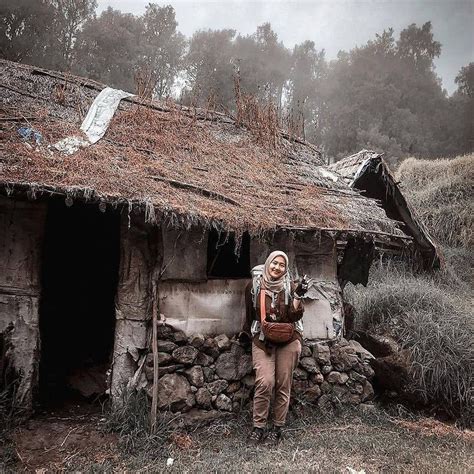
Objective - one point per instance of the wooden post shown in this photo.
(154, 344)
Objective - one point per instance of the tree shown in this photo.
(162, 48)
(108, 48)
(465, 80)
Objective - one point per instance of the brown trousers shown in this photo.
(274, 372)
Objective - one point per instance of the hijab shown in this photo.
(269, 284)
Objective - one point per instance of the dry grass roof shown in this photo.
(189, 165)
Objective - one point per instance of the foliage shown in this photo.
(433, 322)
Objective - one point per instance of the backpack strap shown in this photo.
(263, 312)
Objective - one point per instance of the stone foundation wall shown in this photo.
(216, 372)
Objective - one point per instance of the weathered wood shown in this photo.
(154, 402)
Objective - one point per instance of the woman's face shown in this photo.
(277, 267)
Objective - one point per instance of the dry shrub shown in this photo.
(442, 193)
(432, 321)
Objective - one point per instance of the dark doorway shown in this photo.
(222, 260)
(77, 313)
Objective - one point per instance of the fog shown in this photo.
(332, 24)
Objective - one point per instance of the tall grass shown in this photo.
(433, 322)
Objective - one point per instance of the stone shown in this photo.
(363, 353)
(367, 408)
(317, 378)
(300, 386)
(193, 389)
(197, 417)
(204, 398)
(208, 374)
(180, 337)
(196, 340)
(223, 342)
(337, 377)
(300, 374)
(217, 386)
(203, 359)
(368, 371)
(163, 358)
(306, 351)
(233, 365)
(233, 387)
(322, 353)
(174, 393)
(185, 354)
(324, 402)
(242, 395)
(223, 402)
(249, 380)
(325, 369)
(355, 387)
(164, 331)
(310, 365)
(166, 346)
(368, 392)
(195, 376)
(210, 347)
(169, 369)
(339, 392)
(357, 377)
(312, 393)
(343, 360)
(325, 387)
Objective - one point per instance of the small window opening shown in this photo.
(222, 260)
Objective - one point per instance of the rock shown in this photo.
(163, 358)
(342, 359)
(242, 395)
(249, 380)
(300, 386)
(195, 376)
(306, 351)
(208, 374)
(174, 393)
(195, 418)
(325, 387)
(363, 353)
(367, 371)
(367, 408)
(217, 387)
(233, 365)
(223, 342)
(357, 377)
(223, 402)
(196, 340)
(180, 337)
(169, 369)
(210, 347)
(164, 331)
(236, 406)
(204, 398)
(300, 374)
(322, 353)
(166, 346)
(203, 359)
(324, 402)
(356, 387)
(325, 369)
(310, 365)
(379, 346)
(233, 387)
(193, 389)
(185, 354)
(312, 393)
(339, 392)
(368, 391)
(337, 377)
(317, 378)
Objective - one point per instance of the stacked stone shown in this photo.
(211, 373)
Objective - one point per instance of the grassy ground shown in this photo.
(376, 441)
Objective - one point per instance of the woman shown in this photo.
(274, 309)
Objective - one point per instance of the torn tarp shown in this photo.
(96, 122)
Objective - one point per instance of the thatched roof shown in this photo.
(368, 172)
(187, 165)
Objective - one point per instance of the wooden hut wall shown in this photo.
(21, 235)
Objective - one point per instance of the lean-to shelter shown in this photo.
(167, 211)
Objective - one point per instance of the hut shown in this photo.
(114, 208)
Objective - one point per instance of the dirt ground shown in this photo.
(372, 440)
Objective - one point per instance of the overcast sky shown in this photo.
(331, 24)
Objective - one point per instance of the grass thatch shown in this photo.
(442, 192)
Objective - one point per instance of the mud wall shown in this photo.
(21, 235)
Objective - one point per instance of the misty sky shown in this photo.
(332, 24)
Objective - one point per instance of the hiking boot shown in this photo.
(255, 436)
(274, 436)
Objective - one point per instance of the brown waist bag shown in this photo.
(274, 332)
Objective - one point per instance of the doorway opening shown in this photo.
(79, 280)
